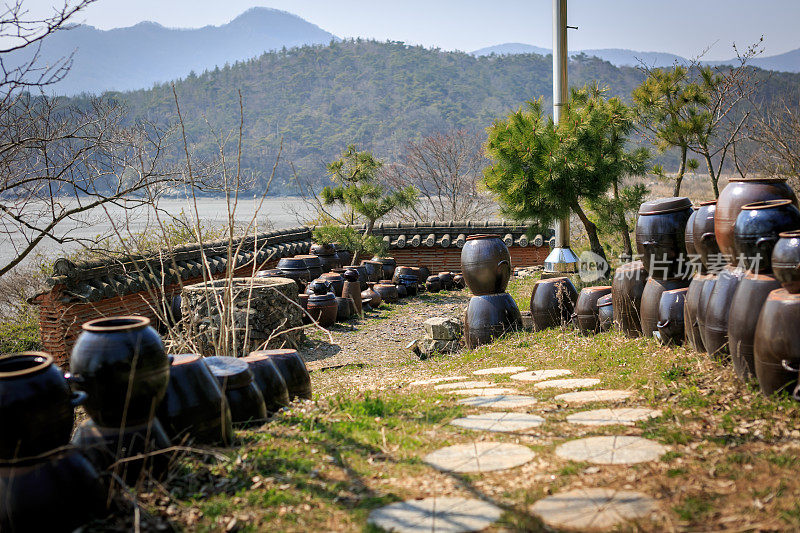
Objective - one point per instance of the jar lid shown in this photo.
(310, 260)
(321, 298)
(292, 263)
(665, 205)
(230, 372)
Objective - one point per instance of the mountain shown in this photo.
(512, 48)
(148, 53)
(786, 62)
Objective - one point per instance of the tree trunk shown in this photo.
(681, 172)
(712, 174)
(623, 224)
(591, 231)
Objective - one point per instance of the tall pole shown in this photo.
(561, 258)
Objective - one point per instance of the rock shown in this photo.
(442, 329)
(428, 347)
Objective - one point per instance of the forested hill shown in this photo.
(378, 95)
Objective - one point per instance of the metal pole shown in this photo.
(561, 258)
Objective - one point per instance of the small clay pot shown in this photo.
(312, 263)
(446, 278)
(269, 381)
(402, 292)
(433, 284)
(352, 289)
(786, 261)
(371, 297)
(323, 309)
(627, 288)
(387, 291)
(362, 275)
(458, 281)
(327, 256)
(389, 265)
(552, 302)
(671, 326)
(344, 309)
(296, 269)
(336, 281)
(236, 380)
(586, 316)
(374, 270)
(651, 302)
(605, 312)
(294, 372)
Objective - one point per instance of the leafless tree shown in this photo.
(776, 130)
(447, 168)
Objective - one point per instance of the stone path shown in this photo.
(612, 450)
(593, 509)
(574, 383)
(503, 421)
(488, 391)
(602, 395)
(436, 515)
(465, 385)
(541, 375)
(501, 401)
(602, 417)
(479, 457)
(499, 370)
(432, 381)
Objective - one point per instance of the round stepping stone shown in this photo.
(465, 385)
(602, 395)
(499, 370)
(488, 391)
(433, 381)
(541, 375)
(507, 421)
(617, 450)
(574, 383)
(593, 509)
(602, 417)
(501, 401)
(479, 457)
(436, 515)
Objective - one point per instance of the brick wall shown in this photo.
(444, 259)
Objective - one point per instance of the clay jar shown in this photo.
(403, 271)
(605, 312)
(236, 380)
(746, 305)
(121, 365)
(387, 291)
(296, 269)
(345, 309)
(374, 270)
(552, 302)
(586, 316)
(323, 308)
(757, 228)
(458, 281)
(327, 256)
(688, 237)
(776, 348)
(389, 265)
(345, 256)
(269, 381)
(717, 312)
(691, 309)
(402, 292)
(313, 264)
(702, 306)
(740, 192)
(705, 240)
(294, 372)
(433, 284)
(58, 492)
(36, 405)
(446, 279)
(336, 281)
(627, 287)
(651, 301)
(486, 264)
(352, 289)
(362, 275)
(409, 281)
(786, 261)
(194, 406)
(370, 297)
(490, 316)
(670, 317)
(660, 235)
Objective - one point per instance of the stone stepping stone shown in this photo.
(488, 391)
(602, 395)
(601, 417)
(465, 385)
(501, 401)
(433, 381)
(436, 515)
(541, 375)
(505, 421)
(499, 370)
(593, 508)
(616, 450)
(479, 457)
(573, 383)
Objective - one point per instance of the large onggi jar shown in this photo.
(660, 235)
(486, 264)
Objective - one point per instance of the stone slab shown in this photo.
(465, 385)
(479, 457)
(503, 421)
(602, 395)
(499, 370)
(501, 401)
(436, 515)
(488, 391)
(612, 450)
(572, 383)
(433, 381)
(444, 329)
(601, 417)
(541, 375)
(595, 509)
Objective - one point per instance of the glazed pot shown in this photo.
(271, 273)
(586, 315)
(345, 256)
(690, 310)
(344, 309)
(776, 346)
(671, 326)
(296, 269)
(688, 237)
(374, 270)
(56, 493)
(651, 301)
(702, 306)
(194, 406)
(269, 381)
(757, 230)
(446, 279)
(486, 264)
(294, 372)
(717, 312)
(323, 309)
(327, 256)
(387, 291)
(352, 289)
(418, 272)
(403, 271)
(552, 302)
(424, 272)
(36, 405)
(786, 261)
(362, 275)
(236, 380)
(370, 297)
(106, 447)
(660, 234)
(303, 299)
(312, 263)
(746, 305)
(490, 316)
(336, 281)
(389, 265)
(738, 193)
(627, 287)
(410, 282)
(433, 284)
(705, 240)
(402, 292)
(605, 312)
(121, 365)
(458, 281)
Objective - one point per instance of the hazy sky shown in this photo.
(684, 27)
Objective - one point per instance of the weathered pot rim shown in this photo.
(710, 202)
(605, 301)
(794, 234)
(370, 262)
(33, 369)
(185, 359)
(223, 373)
(120, 323)
(765, 204)
(672, 205)
(597, 288)
(757, 180)
(673, 291)
(783, 294)
(277, 352)
(483, 236)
